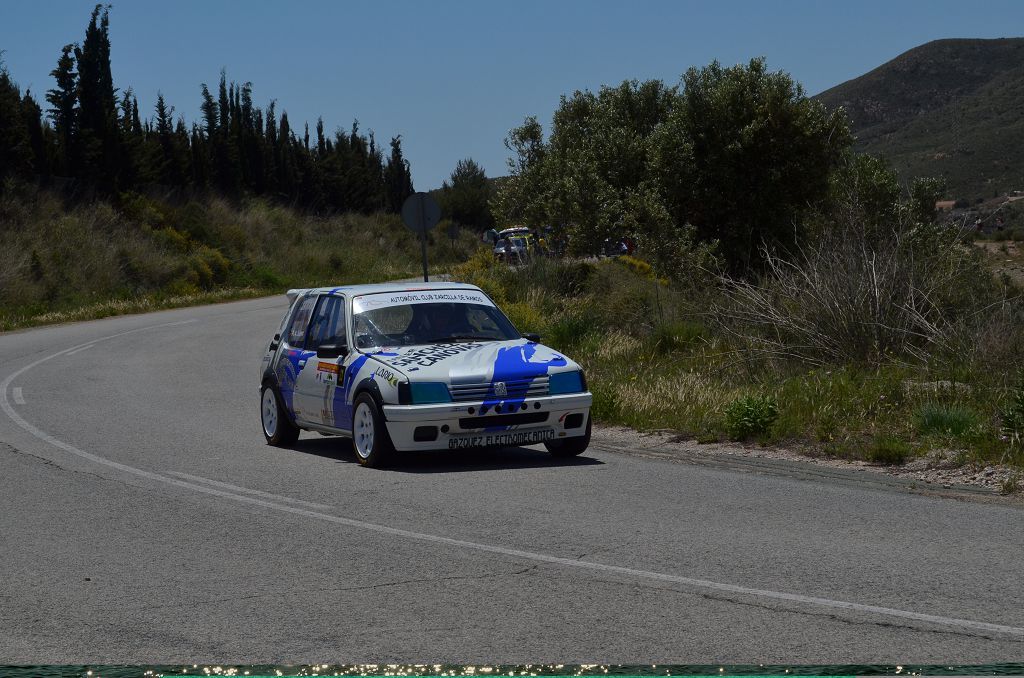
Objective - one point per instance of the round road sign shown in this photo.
(420, 212)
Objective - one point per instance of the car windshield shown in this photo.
(378, 324)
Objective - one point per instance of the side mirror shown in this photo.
(532, 337)
(276, 342)
(331, 351)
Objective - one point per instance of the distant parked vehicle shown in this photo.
(515, 245)
(615, 247)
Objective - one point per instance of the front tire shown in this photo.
(570, 447)
(278, 428)
(370, 437)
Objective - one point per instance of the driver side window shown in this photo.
(481, 322)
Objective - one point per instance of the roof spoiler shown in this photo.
(295, 294)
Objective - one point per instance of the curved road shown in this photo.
(142, 518)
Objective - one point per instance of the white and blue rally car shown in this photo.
(417, 367)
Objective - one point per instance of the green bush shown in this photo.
(1013, 417)
(749, 416)
(171, 239)
(606, 406)
(676, 336)
(949, 420)
(524, 317)
(569, 328)
(889, 450)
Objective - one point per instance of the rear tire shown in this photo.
(570, 447)
(278, 428)
(370, 437)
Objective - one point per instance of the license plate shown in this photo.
(504, 439)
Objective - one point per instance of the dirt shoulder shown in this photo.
(936, 475)
(1005, 257)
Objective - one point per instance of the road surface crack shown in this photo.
(344, 589)
(808, 613)
(51, 463)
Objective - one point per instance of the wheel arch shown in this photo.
(270, 381)
(370, 386)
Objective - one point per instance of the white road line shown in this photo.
(79, 349)
(1015, 631)
(258, 493)
(19, 397)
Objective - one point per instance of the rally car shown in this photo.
(417, 367)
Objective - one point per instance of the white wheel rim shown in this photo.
(363, 433)
(269, 410)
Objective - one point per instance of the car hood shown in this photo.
(475, 362)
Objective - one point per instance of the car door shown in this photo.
(320, 378)
(292, 355)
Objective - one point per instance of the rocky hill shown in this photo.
(949, 108)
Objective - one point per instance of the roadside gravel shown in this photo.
(940, 469)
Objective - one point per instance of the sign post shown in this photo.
(421, 213)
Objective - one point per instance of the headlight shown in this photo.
(428, 393)
(565, 382)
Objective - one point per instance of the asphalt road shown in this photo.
(143, 519)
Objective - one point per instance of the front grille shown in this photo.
(517, 390)
(504, 420)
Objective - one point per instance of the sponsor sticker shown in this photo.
(327, 373)
(372, 301)
(387, 375)
(428, 355)
(506, 439)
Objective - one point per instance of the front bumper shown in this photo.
(490, 428)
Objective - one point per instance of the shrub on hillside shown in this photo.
(889, 451)
(1013, 417)
(951, 420)
(904, 293)
(750, 416)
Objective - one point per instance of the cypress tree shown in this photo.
(98, 132)
(247, 121)
(64, 113)
(182, 154)
(397, 177)
(165, 170)
(321, 143)
(270, 149)
(200, 159)
(283, 157)
(209, 110)
(136, 125)
(131, 157)
(223, 100)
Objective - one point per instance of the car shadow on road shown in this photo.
(445, 461)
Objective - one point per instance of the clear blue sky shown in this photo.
(453, 77)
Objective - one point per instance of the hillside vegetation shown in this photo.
(60, 262)
(706, 363)
(949, 109)
(785, 288)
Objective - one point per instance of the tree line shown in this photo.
(733, 160)
(95, 136)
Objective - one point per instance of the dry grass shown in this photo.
(116, 307)
(60, 262)
(660, 366)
